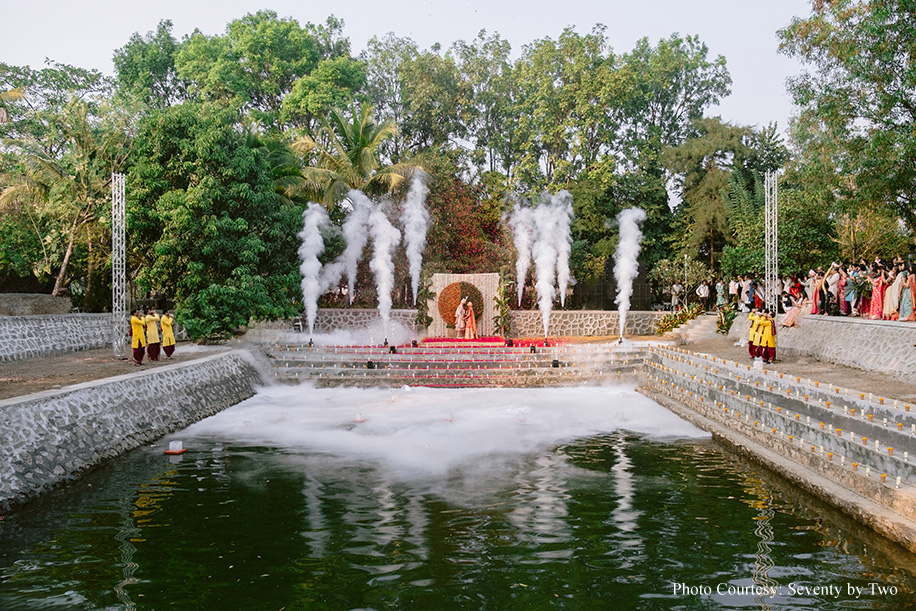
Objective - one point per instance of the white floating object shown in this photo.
(175, 447)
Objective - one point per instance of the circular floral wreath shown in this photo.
(451, 296)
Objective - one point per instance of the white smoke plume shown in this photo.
(521, 222)
(626, 264)
(544, 252)
(385, 237)
(313, 219)
(415, 220)
(356, 233)
(563, 211)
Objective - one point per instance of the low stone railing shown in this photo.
(52, 436)
(25, 337)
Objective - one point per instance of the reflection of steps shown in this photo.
(453, 366)
(701, 327)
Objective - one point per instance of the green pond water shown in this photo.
(372, 499)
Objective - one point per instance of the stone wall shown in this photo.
(583, 323)
(329, 320)
(33, 304)
(51, 437)
(26, 337)
(854, 451)
(873, 345)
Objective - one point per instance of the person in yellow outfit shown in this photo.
(137, 335)
(752, 334)
(768, 338)
(152, 335)
(168, 336)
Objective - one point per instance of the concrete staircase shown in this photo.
(453, 366)
(702, 327)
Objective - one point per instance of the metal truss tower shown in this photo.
(771, 223)
(118, 272)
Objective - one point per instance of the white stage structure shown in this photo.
(771, 223)
(118, 272)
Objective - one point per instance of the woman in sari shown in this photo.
(470, 322)
(891, 307)
(879, 283)
(908, 296)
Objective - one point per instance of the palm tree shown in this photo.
(345, 156)
(6, 98)
(73, 189)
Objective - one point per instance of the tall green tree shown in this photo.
(492, 111)
(384, 59)
(253, 66)
(569, 106)
(860, 95)
(209, 229)
(73, 189)
(145, 68)
(344, 155)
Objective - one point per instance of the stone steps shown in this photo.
(453, 365)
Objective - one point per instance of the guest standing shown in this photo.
(152, 335)
(137, 335)
(168, 336)
(703, 293)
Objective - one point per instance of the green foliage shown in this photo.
(345, 156)
(145, 68)
(425, 294)
(725, 318)
(209, 230)
(502, 321)
(857, 120)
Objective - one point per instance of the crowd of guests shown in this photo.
(145, 326)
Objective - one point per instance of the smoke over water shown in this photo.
(417, 434)
(626, 264)
(415, 220)
(543, 233)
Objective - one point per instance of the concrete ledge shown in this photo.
(51, 437)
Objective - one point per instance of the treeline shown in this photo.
(225, 138)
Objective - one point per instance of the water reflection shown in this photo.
(604, 518)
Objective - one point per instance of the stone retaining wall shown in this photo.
(52, 436)
(873, 345)
(329, 320)
(33, 304)
(583, 323)
(25, 337)
(854, 451)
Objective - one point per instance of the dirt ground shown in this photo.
(33, 375)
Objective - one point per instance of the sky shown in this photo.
(86, 33)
